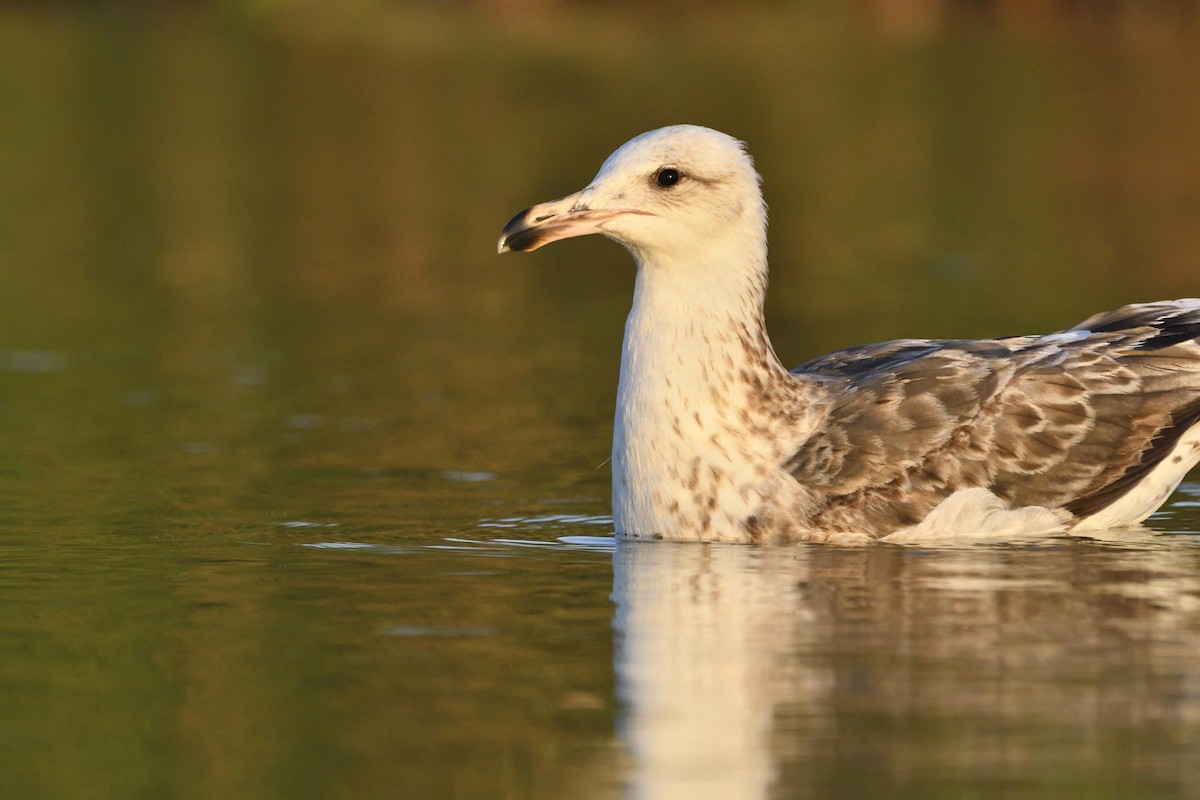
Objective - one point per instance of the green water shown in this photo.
(302, 488)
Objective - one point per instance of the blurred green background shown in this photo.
(195, 190)
(251, 302)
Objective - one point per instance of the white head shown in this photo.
(664, 195)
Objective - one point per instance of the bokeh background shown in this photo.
(252, 319)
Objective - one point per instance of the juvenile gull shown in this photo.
(714, 440)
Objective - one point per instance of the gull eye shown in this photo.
(667, 177)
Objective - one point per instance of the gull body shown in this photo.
(714, 440)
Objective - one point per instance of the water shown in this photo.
(1059, 671)
(302, 489)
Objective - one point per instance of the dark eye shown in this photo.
(667, 177)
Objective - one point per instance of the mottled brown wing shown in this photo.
(1085, 430)
(1069, 420)
(903, 434)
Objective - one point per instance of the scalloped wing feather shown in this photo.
(1071, 420)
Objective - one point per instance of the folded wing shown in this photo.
(1070, 420)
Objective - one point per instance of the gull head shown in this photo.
(662, 195)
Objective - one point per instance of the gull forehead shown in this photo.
(678, 145)
(695, 139)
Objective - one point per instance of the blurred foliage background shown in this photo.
(251, 300)
(208, 202)
(295, 203)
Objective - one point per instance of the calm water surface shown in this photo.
(303, 491)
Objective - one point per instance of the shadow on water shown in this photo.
(303, 490)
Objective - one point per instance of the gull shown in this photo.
(1089, 428)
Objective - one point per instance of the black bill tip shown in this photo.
(518, 236)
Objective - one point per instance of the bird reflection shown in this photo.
(755, 672)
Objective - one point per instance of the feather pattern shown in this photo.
(1069, 420)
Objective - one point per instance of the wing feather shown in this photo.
(1070, 420)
